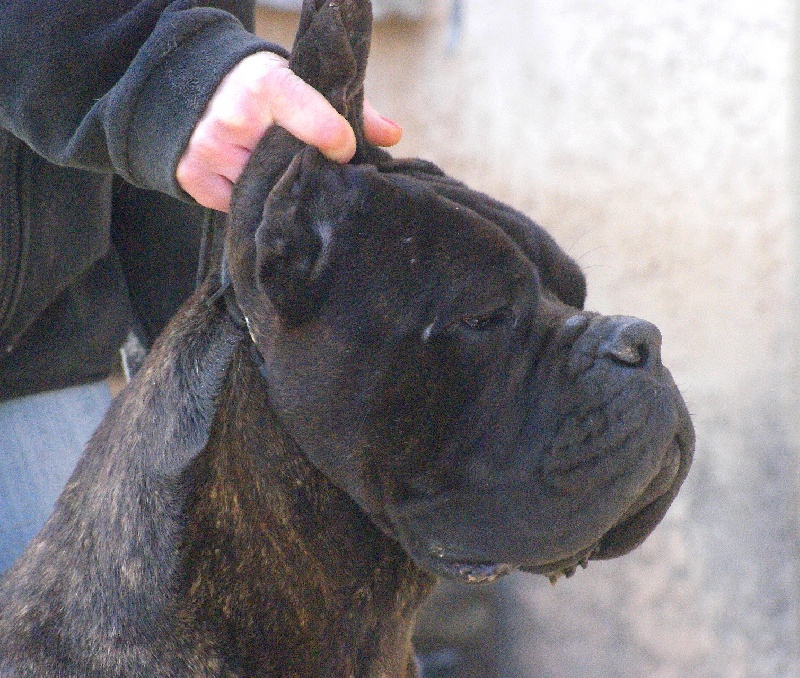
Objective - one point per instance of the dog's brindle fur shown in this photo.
(397, 382)
(170, 555)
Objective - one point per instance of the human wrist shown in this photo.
(175, 95)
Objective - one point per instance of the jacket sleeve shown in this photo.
(114, 87)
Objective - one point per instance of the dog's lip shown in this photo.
(485, 572)
(563, 568)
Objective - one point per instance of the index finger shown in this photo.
(306, 114)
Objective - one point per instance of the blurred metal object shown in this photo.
(455, 24)
(132, 355)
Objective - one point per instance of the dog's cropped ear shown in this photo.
(295, 237)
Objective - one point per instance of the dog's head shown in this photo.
(426, 348)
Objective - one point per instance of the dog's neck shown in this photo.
(284, 568)
(194, 538)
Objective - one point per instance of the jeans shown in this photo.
(41, 438)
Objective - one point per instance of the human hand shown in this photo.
(260, 92)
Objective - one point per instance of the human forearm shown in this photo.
(114, 88)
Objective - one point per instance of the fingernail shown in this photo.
(391, 122)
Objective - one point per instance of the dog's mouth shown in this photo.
(486, 573)
(562, 568)
(474, 573)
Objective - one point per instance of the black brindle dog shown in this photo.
(386, 377)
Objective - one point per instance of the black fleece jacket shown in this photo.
(97, 103)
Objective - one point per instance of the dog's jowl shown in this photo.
(385, 378)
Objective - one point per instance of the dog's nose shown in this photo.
(632, 342)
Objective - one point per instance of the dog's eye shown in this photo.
(487, 321)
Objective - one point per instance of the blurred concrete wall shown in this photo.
(653, 140)
(409, 9)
